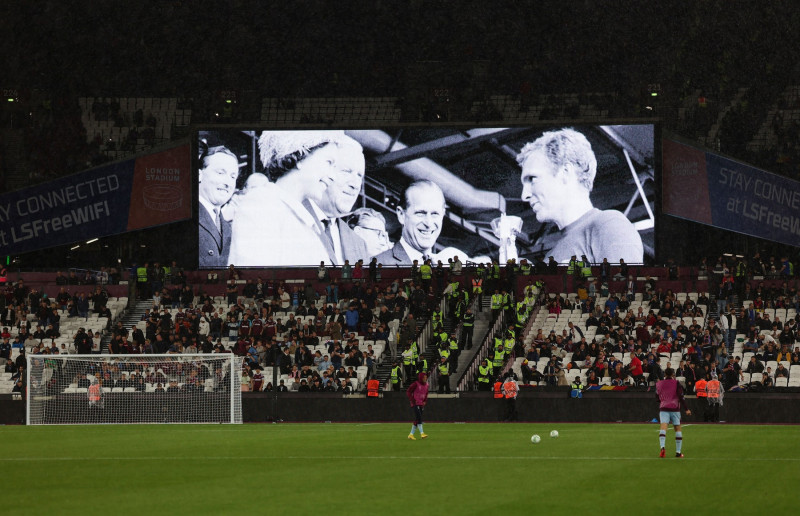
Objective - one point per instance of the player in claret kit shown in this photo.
(670, 395)
(417, 395)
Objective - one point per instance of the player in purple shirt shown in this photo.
(670, 395)
(417, 395)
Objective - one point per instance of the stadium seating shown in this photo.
(558, 323)
(327, 109)
(114, 125)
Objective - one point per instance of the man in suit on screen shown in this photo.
(347, 176)
(421, 214)
(217, 183)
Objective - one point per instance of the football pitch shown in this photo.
(373, 468)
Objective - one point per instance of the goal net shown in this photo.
(127, 389)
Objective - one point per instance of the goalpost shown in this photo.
(130, 389)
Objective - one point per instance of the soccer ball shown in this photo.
(554, 434)
(535, 438)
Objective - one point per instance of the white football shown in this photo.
(554, 434)
(535, 438)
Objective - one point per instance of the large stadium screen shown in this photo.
(271, 198)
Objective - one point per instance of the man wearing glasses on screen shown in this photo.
(370, 225)
(558, 171)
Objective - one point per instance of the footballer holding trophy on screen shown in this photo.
(558, 172)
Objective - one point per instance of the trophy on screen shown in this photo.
(506, 228)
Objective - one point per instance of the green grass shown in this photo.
(481, 469)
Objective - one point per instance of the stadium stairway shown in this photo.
(384, 370)
(129, 318)
(712, 306)
(483, 320)
(431, 353)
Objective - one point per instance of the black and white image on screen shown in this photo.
(403, 194)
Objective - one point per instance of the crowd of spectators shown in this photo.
(288, 325)
(696, 337)
(285, 325)
(31, 323)
(318, 346)
(161, 376)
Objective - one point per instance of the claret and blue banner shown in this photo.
(711, 189)
(125, 196)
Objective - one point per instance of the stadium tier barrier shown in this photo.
(687, 281)
(533, 406)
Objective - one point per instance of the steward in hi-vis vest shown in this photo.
(444, 376)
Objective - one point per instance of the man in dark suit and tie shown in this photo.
(421, 216)
(345, 174)
(218, 173)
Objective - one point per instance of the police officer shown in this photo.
(586, 267)
(572, 265)
(454, 353)
(436, 317)
(461, 306)
(506, 300)
(468, 327)
(426, 273)
(422, 364)
(480, 272)
(740, 277)
(141, 282)
(522, 314)
(494, 273)
(444, 376)
(408, 361)
(497, 361)
(498, 342)
(396, 376)
(484, 376)
(497, 304)
(444, 351)
(509, 341)
(440, 335)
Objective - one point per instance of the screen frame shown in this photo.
(656, 200)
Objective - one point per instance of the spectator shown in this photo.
(351, 318)
(755, 366)
(635, 368)
(551, 372)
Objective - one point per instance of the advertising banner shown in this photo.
(718, 191)
(132, 194)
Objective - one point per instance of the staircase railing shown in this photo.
(427, 330)
(471, 373)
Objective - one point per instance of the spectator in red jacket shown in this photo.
(636, 367)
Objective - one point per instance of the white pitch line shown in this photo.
(393, 457)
